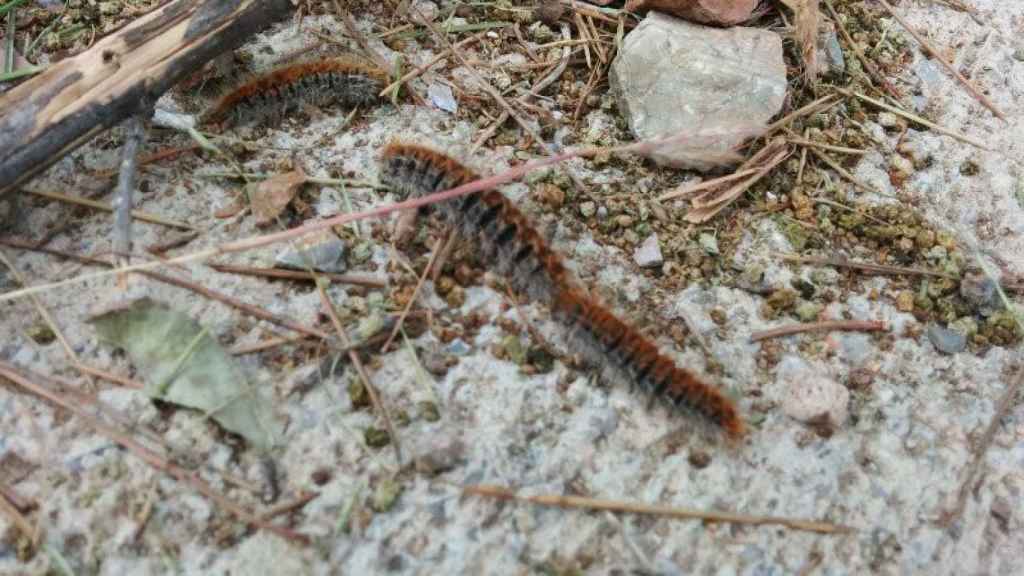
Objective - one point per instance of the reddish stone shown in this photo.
(717, 12)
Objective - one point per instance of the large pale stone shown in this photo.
(674, 77)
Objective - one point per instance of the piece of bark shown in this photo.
(716, 12)
(123, 74)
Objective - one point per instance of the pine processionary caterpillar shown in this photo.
(343, 80)
(506, 238)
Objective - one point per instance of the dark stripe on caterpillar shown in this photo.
(508, 239)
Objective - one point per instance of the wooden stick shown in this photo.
(357, 279)
(917, 119)
(122, 242)
(840, 262)
(121, 75)
(654, 510)
(137, 214)
(824, 326)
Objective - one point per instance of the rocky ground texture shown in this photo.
(877, 431)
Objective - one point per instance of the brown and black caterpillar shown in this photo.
(506, 237)
(342, 80)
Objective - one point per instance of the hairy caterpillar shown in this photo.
(343, 80)
(505, 237)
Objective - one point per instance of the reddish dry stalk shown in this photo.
(823, 326)
(286, 507)
(109, 376)
(254, 242)
(11, 509)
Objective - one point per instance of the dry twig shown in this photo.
(824, 326)
(135, 132)
(840, 262)
(438, 248)
(931, 50)
(152, 458)
(137, 214)
(852, 45)
(356, 279)
(917, 119)
(502, 493)
(353, 356)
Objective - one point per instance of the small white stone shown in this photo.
(806, 393)
(648, 255)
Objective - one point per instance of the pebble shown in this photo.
(648, 255)
(441, 96)
(708, 243)
(888, 120)
(321, 251)
(945, 340)
(458, 347)
(807, 394)
(588, 209)
(901, 166)
(978, 290)
(828, 42)
(437, 452)
(672, 76)
(905, 301)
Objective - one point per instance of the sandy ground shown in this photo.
(892, 470)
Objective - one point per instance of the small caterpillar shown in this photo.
(342, 80)
(507, 238)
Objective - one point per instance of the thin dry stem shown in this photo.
(852, 45)
(917, 119)
(931, 50)
(353, 357)
(135, 128)
(152, 458)
(840, 262)
(843, 172)
(438, 247)
(502, 493)
(423, 68)
(823, 326)
(356, 279)
(137, 214)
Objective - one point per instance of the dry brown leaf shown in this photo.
(270, 197)
(712, 200)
